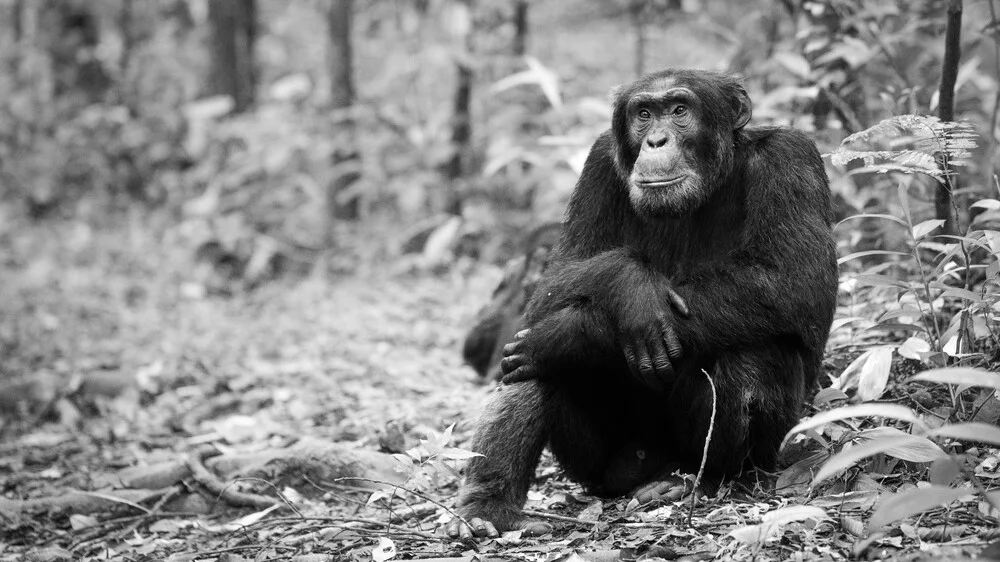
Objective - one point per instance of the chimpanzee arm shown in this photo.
(593, 312)
(778, 283)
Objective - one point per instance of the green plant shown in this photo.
(921, 442)
(941, 264)
(939, 283)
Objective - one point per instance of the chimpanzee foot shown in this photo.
(666, 488)
(478, 527)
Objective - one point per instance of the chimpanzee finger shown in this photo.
(678, 303)
(510, 363)
(490, 530)
(523, 373)
(456, 529)
(669, 490)
(631, 359)
(534, 528)
(671, 340)
(512, 348)
(521, 335)
(644, 362)
(661, 359)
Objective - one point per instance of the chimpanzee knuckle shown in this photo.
(646, 368)
(520, 374)
(512, 348)
(511, 363)
(661, 361)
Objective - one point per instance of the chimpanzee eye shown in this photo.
(680, 110)
(645, 114)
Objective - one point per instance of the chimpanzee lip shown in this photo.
(660, 183)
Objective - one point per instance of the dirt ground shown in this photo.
(144, 420)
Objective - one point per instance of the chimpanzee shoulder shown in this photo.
(781, 142)
(783, 159)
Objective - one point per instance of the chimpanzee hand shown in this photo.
(649, 338)
(516, 364)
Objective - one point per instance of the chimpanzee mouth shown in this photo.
(658, 184)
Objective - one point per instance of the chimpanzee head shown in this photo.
(674, 134)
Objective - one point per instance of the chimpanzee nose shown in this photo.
(656, 139)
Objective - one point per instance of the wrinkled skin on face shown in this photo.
(675, 144)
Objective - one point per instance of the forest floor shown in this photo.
(142, 420)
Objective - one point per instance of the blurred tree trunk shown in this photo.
(15, 10)
(125, 28)
(340, 203)
(637, 11)
(72, 33)
(234, 31)
(461, 132)
(946, 107)
(520, 27)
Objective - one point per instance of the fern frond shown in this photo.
(926, 137)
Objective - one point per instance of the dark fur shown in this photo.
(497, 322)
(756, 264)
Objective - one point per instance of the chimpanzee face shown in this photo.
(675, 139)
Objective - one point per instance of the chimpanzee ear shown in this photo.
(743, 108)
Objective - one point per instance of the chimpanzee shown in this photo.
(502, 317)
(691, 243)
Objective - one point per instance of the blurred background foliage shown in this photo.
(249, 140)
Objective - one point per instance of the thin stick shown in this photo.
(704, 453)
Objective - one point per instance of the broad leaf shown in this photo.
(386, 550)
(942, 471)
(857, 255)
(877, 280)
(868, 410)
(960, 375)
(453, 454)
(772, 522)
(841, 322)
(913, 347)
(827, 395)
(926, 227)
(913, 448)
(901, 505)
(971, 431)
(988, 204)
(873, 216)
(875, 373)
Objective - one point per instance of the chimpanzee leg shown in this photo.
(511, 435)
(777, 404)
(758, 399)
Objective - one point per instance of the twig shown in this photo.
(171, 494)
(344, 522)
(222, 491)
(563, 518)
(414, 492)
(704, 453)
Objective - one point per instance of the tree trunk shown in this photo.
(341, 54)
(520, 27)
(461, 132)
(946, 107)
(15, 10)
(234, 31)
(339, 203)
(638, 12)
